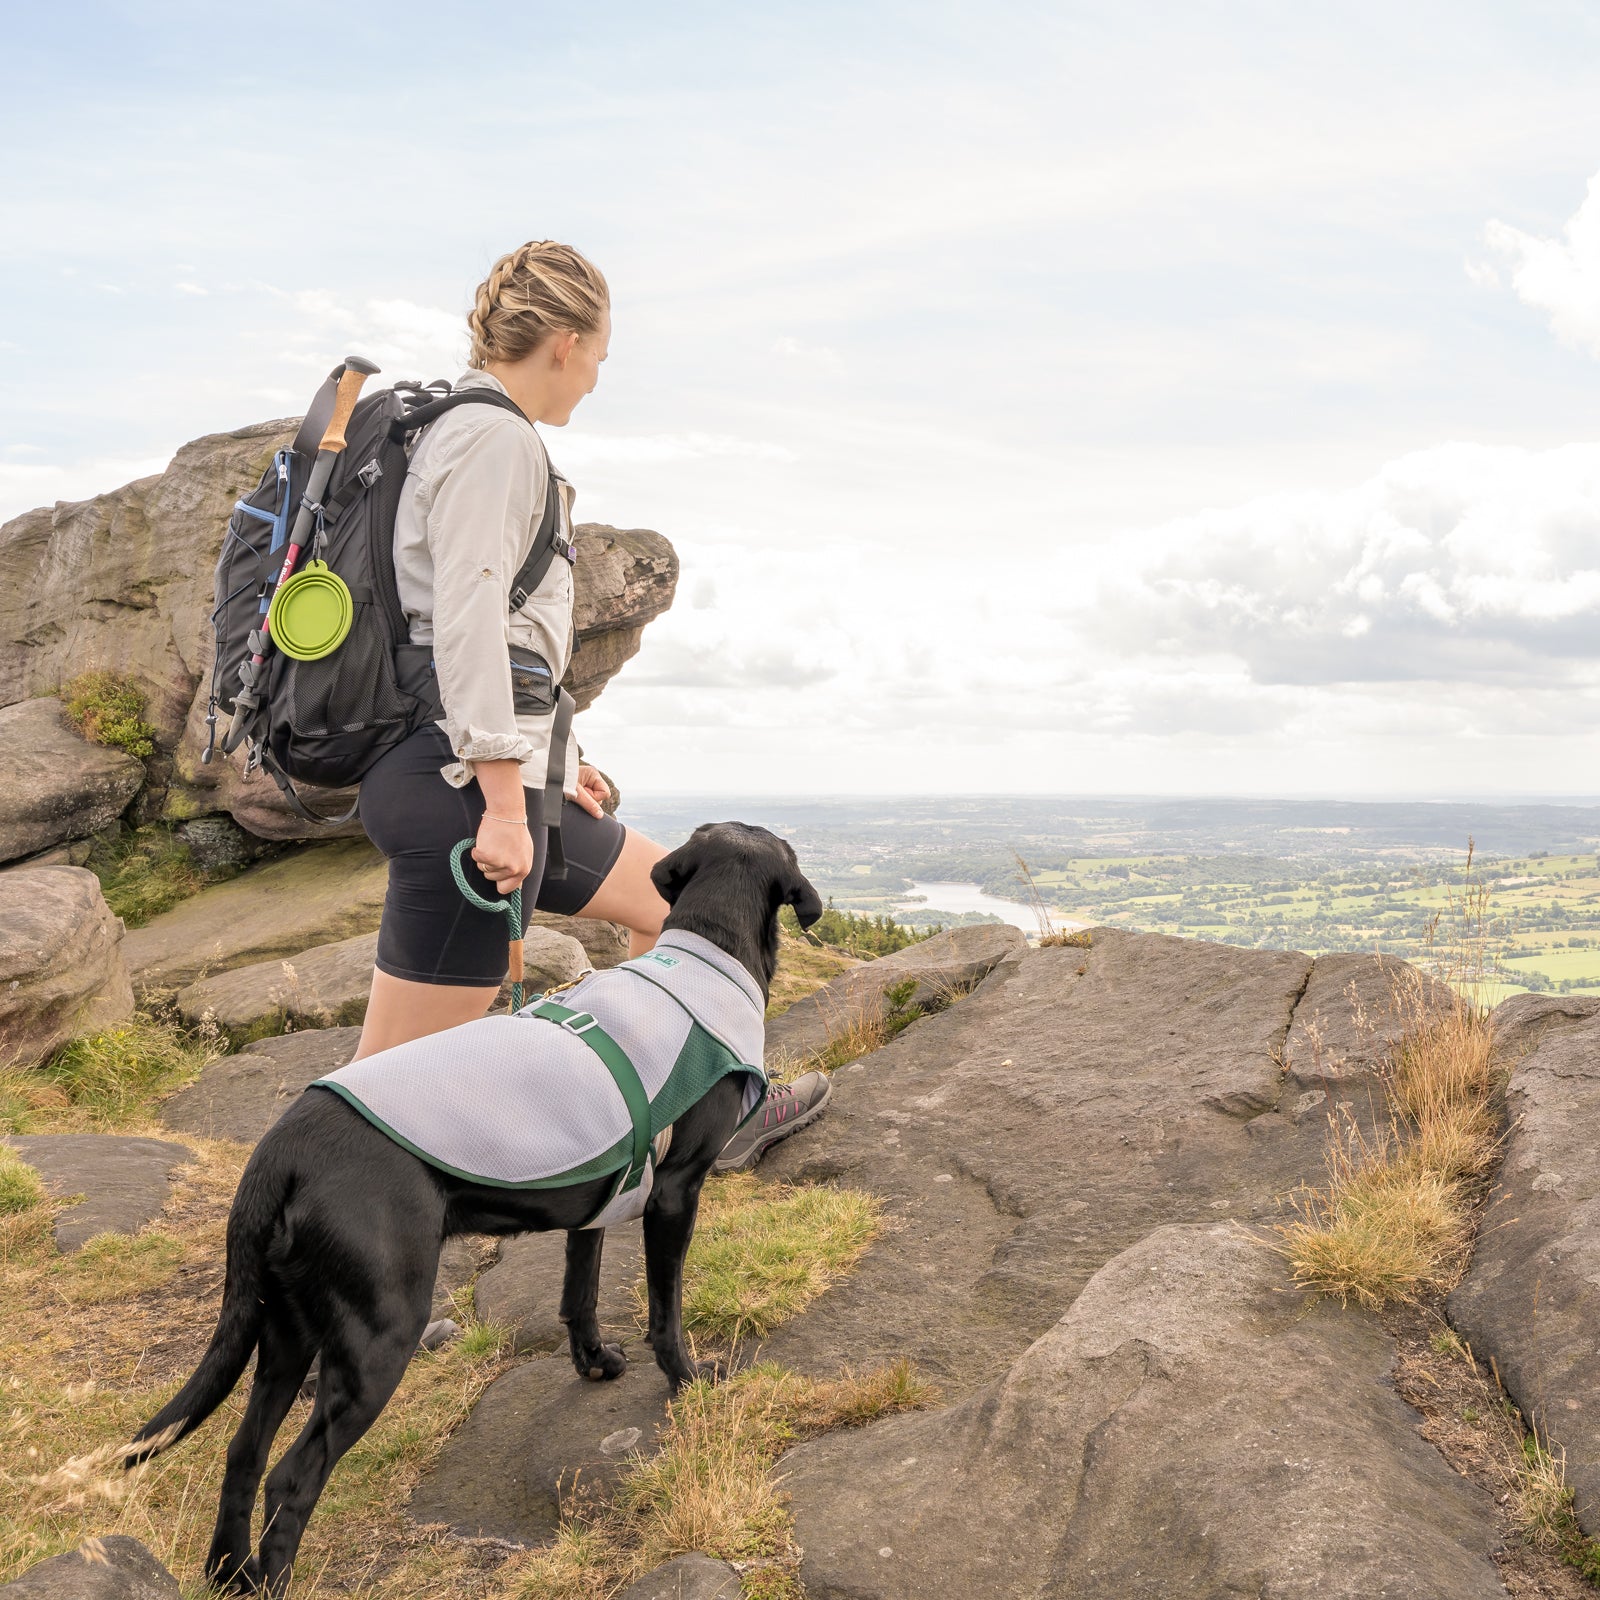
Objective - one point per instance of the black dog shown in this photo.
(335, 1232)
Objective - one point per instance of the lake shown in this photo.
(959, 898)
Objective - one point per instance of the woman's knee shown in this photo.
(627, 894)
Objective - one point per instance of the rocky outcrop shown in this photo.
(125, 581)
(522, 1291)
(1529, 1299)
(690, 1577)
(948, 964)
(1074, 1103)
(62, 967)
(241, 1096)
(1191, 1426)
(57, 785)
(316, 896)
(114, 1567)
(124, 1180)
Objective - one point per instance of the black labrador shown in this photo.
(335, 1233)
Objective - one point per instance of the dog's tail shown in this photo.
(256, 1210)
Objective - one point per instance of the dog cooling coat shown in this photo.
(563, 1093)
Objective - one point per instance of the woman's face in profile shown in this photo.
(580, 375)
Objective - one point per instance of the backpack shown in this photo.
(328, 721)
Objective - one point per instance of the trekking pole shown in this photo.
(356, 372)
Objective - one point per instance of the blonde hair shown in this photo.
(531, 293)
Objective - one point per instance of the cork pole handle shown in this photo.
(356, 372)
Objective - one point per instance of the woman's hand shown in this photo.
(592, 791)
(503, 852)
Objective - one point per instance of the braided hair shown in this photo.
(531, 293)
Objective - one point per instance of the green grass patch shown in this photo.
(144, 872)
(112, 1266)
(20, 1188)
(761, 1254)
(103, 1080)
(107, 708)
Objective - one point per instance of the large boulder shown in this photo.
(1191, 1426)
(125, 580)
(1076, 1101)
(319, 895)
(522, 1291)
(57, 785)
(124, 1179)
(241, 1096)
(1528, 1300)
(62, 968)
(936, 969)
(113, 1567)
(690, 1577)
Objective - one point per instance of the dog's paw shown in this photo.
(603, 1363)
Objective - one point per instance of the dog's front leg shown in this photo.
(580, 1293)
(668, 1228)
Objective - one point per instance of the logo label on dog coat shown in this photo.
(659, 959)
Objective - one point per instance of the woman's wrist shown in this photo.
(517, 821)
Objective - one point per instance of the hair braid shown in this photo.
(530, 293)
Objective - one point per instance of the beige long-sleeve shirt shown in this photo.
(470, 507)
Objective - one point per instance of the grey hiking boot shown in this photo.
(789, 1107)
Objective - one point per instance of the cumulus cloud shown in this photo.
(1463, 563)
(1560, 277)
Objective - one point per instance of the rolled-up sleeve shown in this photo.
(481, 502)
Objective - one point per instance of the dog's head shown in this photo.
(727, 882)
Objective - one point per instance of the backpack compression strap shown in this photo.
(583, 1026)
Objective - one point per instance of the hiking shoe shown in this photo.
(789, 1107)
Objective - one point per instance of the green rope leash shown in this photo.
(510, 908)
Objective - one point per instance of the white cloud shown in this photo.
(190, 288)
(1560, 277)
(25, 486)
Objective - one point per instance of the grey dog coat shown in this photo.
(523, 1102)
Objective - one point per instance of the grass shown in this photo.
(710, 1486)
(105, 1080)
(107, 708)
(144, 872)
(761, 1254)
(20, 1188)
(1394, 1219)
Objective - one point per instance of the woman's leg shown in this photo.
(399, 1010)
(627, 895)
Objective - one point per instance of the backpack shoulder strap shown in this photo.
(549, 542)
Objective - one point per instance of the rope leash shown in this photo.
(510, 909)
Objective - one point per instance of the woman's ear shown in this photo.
(806, 901)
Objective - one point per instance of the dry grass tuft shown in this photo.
(710, 1485)
(1393, 1220)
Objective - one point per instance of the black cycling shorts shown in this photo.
(431, 933)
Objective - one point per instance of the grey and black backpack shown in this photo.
(327, 721)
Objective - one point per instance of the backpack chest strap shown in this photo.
(615, 1059)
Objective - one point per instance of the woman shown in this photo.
(472, 502)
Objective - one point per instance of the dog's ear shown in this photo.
(806, 901)
(673, 871)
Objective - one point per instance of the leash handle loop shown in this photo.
(510, 908)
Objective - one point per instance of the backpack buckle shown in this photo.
(580, 1022)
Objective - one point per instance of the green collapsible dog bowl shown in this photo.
(310, 614)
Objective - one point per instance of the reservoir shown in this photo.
(959, 898)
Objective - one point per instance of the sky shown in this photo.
(1186, 398)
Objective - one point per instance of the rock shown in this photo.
(126, 580)
(217, 844)
(1077, 1100)
(947, 964)
(523, 1289)
(460, 1260)
(439, 1333)
(1192, 1426)
(315, 896)
(124, 1180)
(1528, 1299)
(324, 987)
(112, 1567)
(63, 970)
(690, 1577)
(1523, 1020)
(549, 958)
(241, 1096)
(605, 944)
(538, 1438)
(58, 786)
